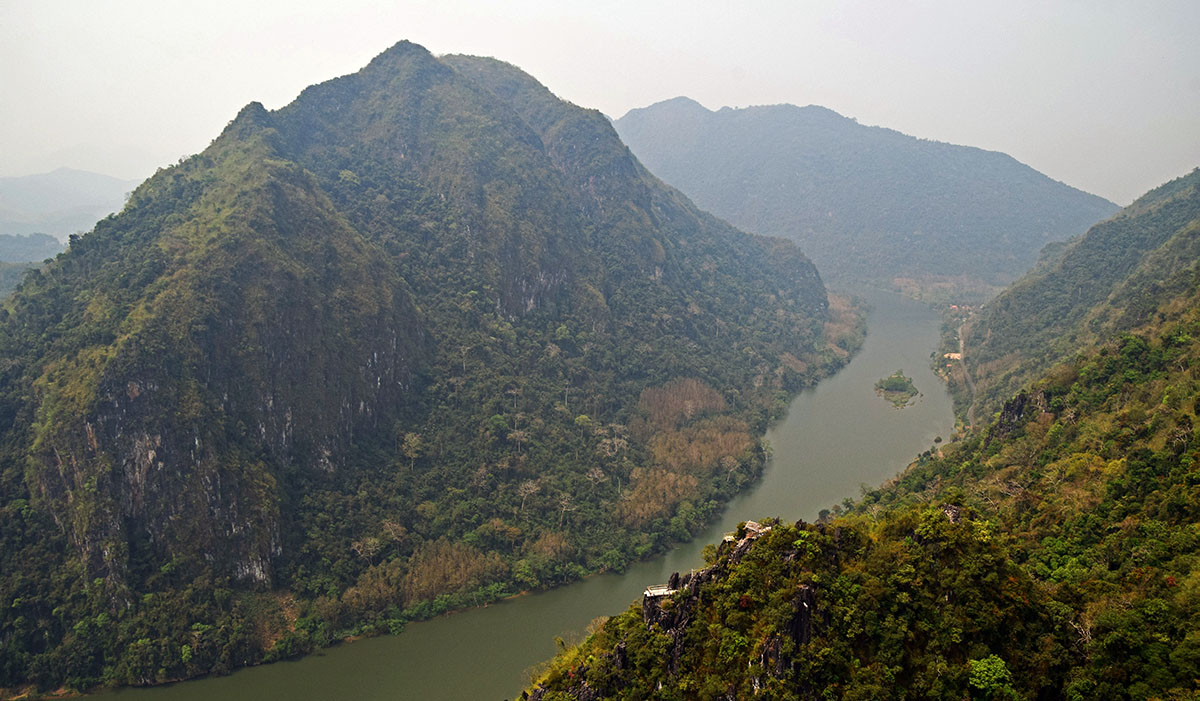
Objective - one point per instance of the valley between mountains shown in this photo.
(430, 339)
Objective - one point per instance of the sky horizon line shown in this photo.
(1101, 96)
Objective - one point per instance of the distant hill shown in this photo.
(867, 204)
(426, 337)
(19, 253)
(1141, 262)
(62, 202)
(28, 248)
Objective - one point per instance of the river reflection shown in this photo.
(835, 437)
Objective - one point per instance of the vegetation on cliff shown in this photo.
(426, 337)
(1050, 555)
(1105, 282)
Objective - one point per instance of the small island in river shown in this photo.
(897, 388)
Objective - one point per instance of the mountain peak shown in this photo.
(805, 173)
(246, 353)
(252, 115)
(677, 107)
(403, 53)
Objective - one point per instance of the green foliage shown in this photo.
(903, 607)
(1051, 555)
(990, 679)
(897, 388)
(1116, 277)
(383, 353)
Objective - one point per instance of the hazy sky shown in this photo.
(1103, 95)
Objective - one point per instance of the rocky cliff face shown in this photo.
(805, 609)
(378, 353)
(268, 340)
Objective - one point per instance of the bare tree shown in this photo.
(730, 464)
(366, 548)
(519, 437)
(394, 530)
(412, 448)
(596, 476)
(564, 505)
(527, 489)
(515, 393)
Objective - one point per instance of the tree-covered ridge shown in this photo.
(901, 607)
(1107, 281)
(867, 204)
(424, 338)
(1062, 562)
(1051, 556)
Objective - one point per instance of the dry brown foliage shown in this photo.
(378, 588)
(843, 324)
(445, 567)
(677, 401)
(552, 545)
(698, 449)
(654, 492)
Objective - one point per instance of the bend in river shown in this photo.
(835, 437)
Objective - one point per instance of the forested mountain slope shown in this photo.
(868, 204)
(1107, 281)
(425, 337)
(1050, 555)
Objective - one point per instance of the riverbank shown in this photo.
(834, 437)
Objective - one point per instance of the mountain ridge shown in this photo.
(59, 202)
(937, 211)
(1048, 554)
(407, 344)
(1107, 280)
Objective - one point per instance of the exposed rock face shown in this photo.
(231, 376)
(674, 612)
(1014, 414)
(400, 298)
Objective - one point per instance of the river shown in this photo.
(836, 436)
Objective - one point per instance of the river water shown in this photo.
(836, 436)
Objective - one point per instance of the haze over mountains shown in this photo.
(428, 337)
(867, 204)
(19, 253)
(62, 202)
(425, 337)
